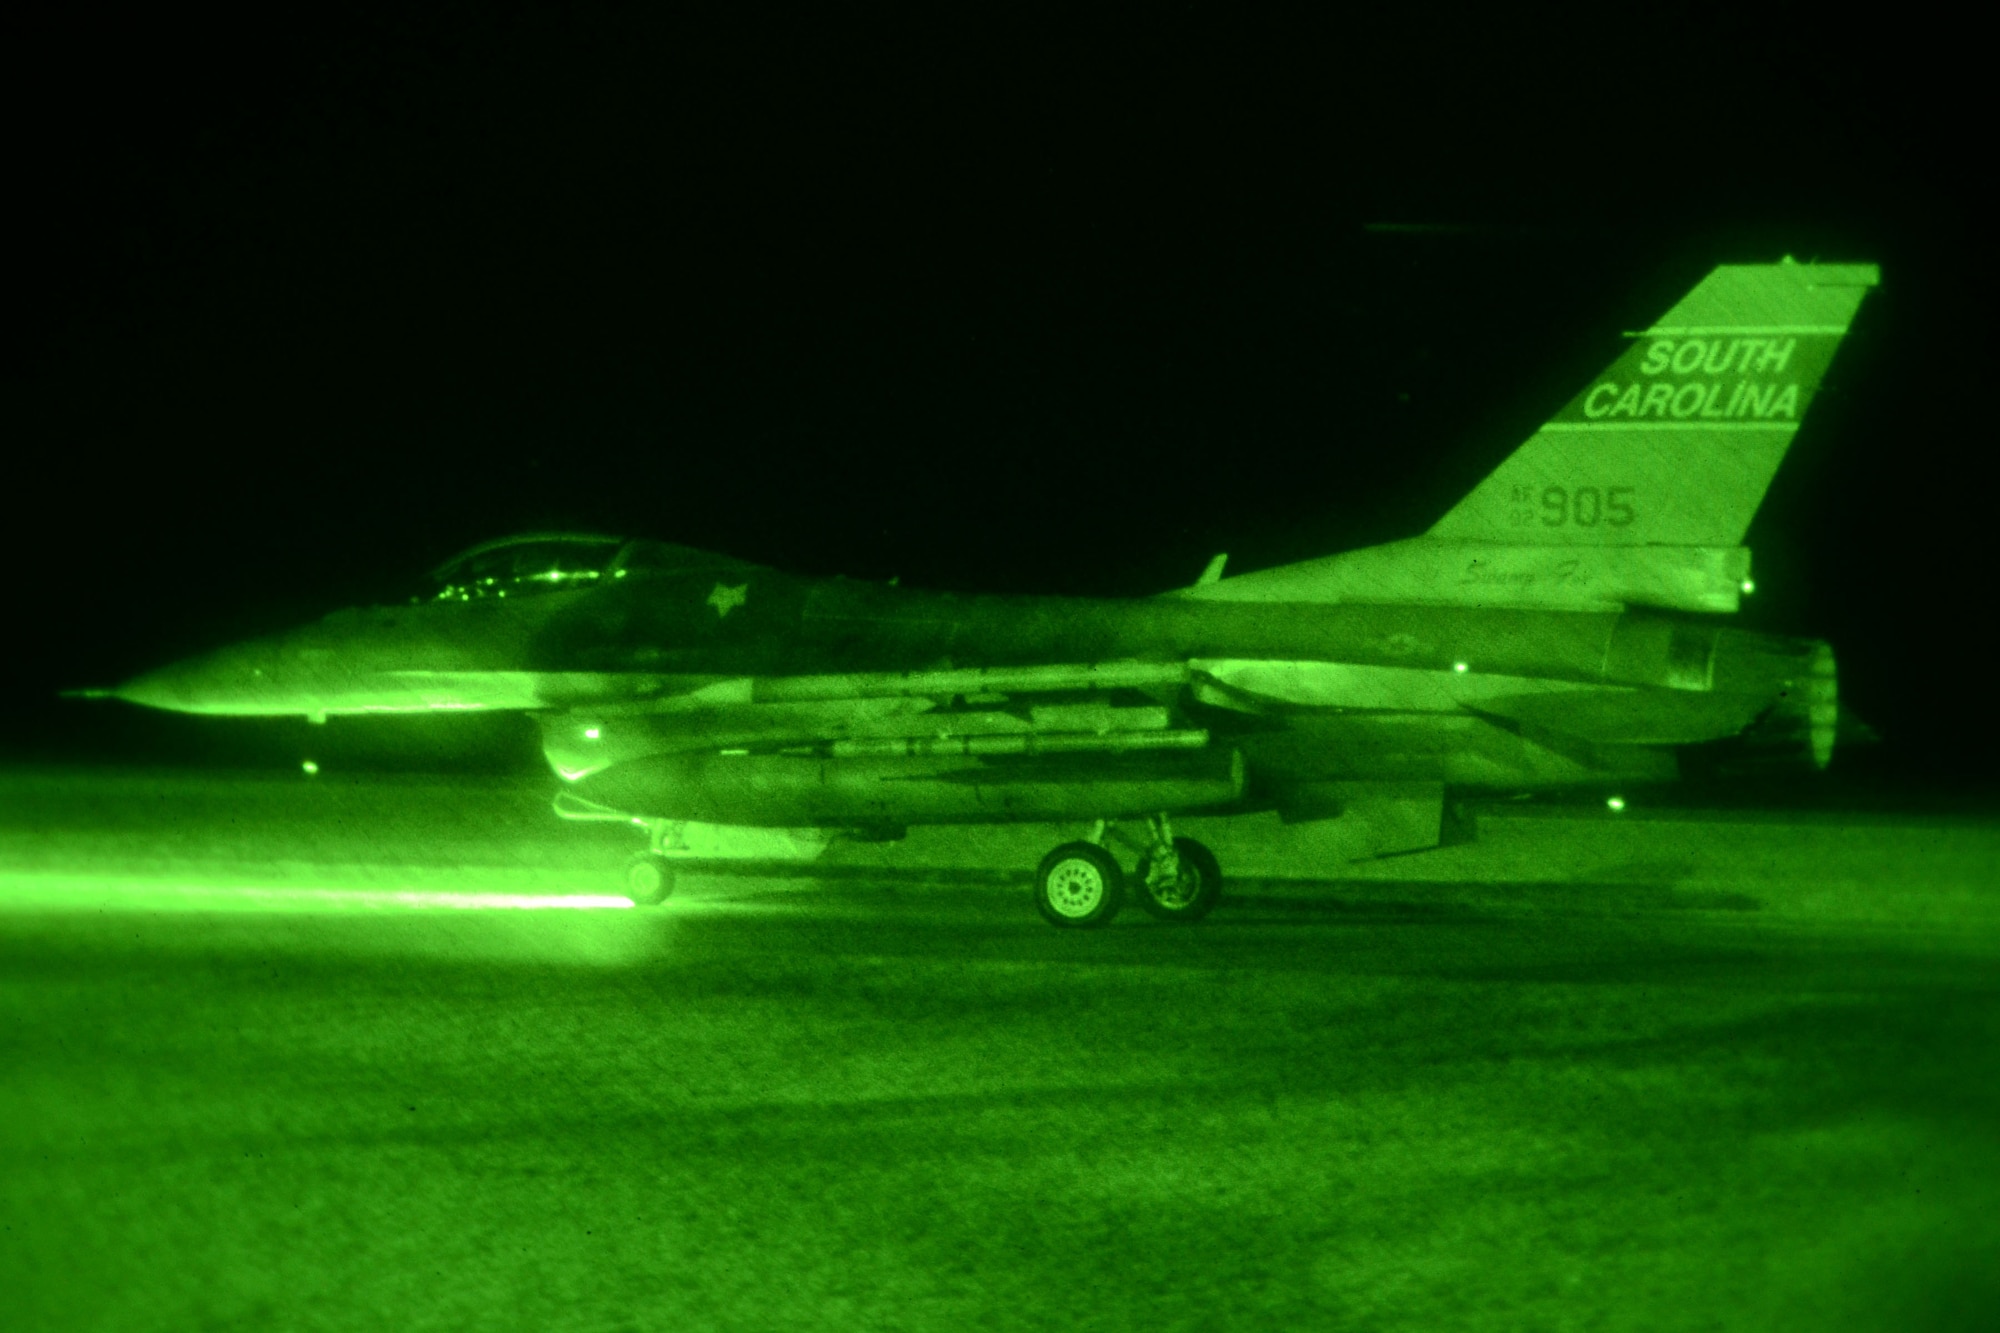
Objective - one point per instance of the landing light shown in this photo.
(590, 733)
(309, 768)
(1460, 667)
(1749, 586)
(1615, 804)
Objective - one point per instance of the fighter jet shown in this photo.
(1557, 629)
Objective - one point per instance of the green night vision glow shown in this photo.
(708, 692)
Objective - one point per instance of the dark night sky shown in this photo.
(1004, 300)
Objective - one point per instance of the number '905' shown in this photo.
(1587, 506)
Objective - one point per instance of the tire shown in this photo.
(1195, 891)
(1078, 886)
(649, 879)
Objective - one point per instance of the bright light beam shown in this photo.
(89, 892)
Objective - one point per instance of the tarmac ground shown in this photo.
(392, 1052)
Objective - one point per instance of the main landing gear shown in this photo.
(1080, 884)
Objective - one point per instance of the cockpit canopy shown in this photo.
(525, 565)
(541, 562)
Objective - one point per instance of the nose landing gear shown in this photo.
(649, 879)
(649, 876)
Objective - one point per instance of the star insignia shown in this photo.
(725, 599)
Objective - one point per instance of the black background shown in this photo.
(994, 298)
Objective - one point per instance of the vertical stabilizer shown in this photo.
(1677, 442)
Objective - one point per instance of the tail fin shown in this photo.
(1677, 442)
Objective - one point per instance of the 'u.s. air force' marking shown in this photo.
(725, 599)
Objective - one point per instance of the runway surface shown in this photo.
(278, 1053)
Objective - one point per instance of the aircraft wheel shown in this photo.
(1079, 885)
(649, 879)
(1193, 891)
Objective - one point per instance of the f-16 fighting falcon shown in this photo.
(1556, 629)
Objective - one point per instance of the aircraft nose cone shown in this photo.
(219, 682)
(174, 687)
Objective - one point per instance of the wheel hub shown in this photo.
(1176, 889)
(1076, 888)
